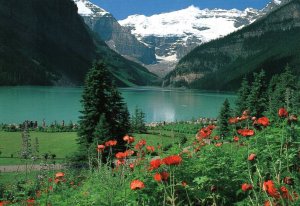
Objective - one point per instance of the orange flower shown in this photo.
(183, 183)
(136, 185)
(216, 137)
(111, 143)
(140, 144)
(282, 112)
(121, 155)
(154, 164)
(252, 157)
(128, 139)
(233, 120)
(286, 194)
(131, 166)
(163, 176)
(236, 138)
(218, 144)
(150, 149)
(128, 153)
(59, 175)
(120, 162)
(246, 187)
(264, 121)
(100, 148)
(269, 187)
(172, 160)
(246, 132)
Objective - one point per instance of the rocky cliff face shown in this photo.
(46, 42)
(117, 37)
(269, 43)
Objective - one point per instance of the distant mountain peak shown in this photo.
(87, 8)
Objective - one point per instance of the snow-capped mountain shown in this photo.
(176, 33)
(159, 41)
(116, 37)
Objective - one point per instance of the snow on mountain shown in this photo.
(278, 2)
(204, 24)
(86, 8)
(176, 33)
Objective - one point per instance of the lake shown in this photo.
(63, 103)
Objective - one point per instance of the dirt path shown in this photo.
(21, 168)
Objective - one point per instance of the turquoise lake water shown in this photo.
(63, 103)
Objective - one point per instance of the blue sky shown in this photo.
(123, 8)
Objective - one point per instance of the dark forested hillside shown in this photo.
(46, 42)
(269, 43)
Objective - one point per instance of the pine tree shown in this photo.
(224, 116)
(138, 121)
(282, 92)
(242, 95)
(102, 130)
(104, 114)
(257, 99)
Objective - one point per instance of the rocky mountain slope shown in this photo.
(269, 43)
(46, 42)
(117, 37)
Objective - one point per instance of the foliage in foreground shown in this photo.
(259, 165)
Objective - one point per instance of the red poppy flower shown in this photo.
(59, 175)
(30, 202)
(154, 164)
(264, 121)
(120, 155)
(100, 148)
(140, 144)
(246, 132)
(236, 138)
(269, 203)
(252, 157)
(137, 185)
(288, 180)
(246, 187)
(120, 162)
(111, 143)
(183, 183)
(233, 120)
(204, 133)
(128, 153)
(270, 188)
(211, 127)
(282, 112)
(163, 176)
(131, 166)
(216, 137)
(172, 160)
(218, 144)
(285, 193)
(128, 139)
(150, 149)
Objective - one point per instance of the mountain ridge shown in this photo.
(242, 52)
(47, 43)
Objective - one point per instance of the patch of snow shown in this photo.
(277, 2)
(82, 9)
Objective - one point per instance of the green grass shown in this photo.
(61, 144)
